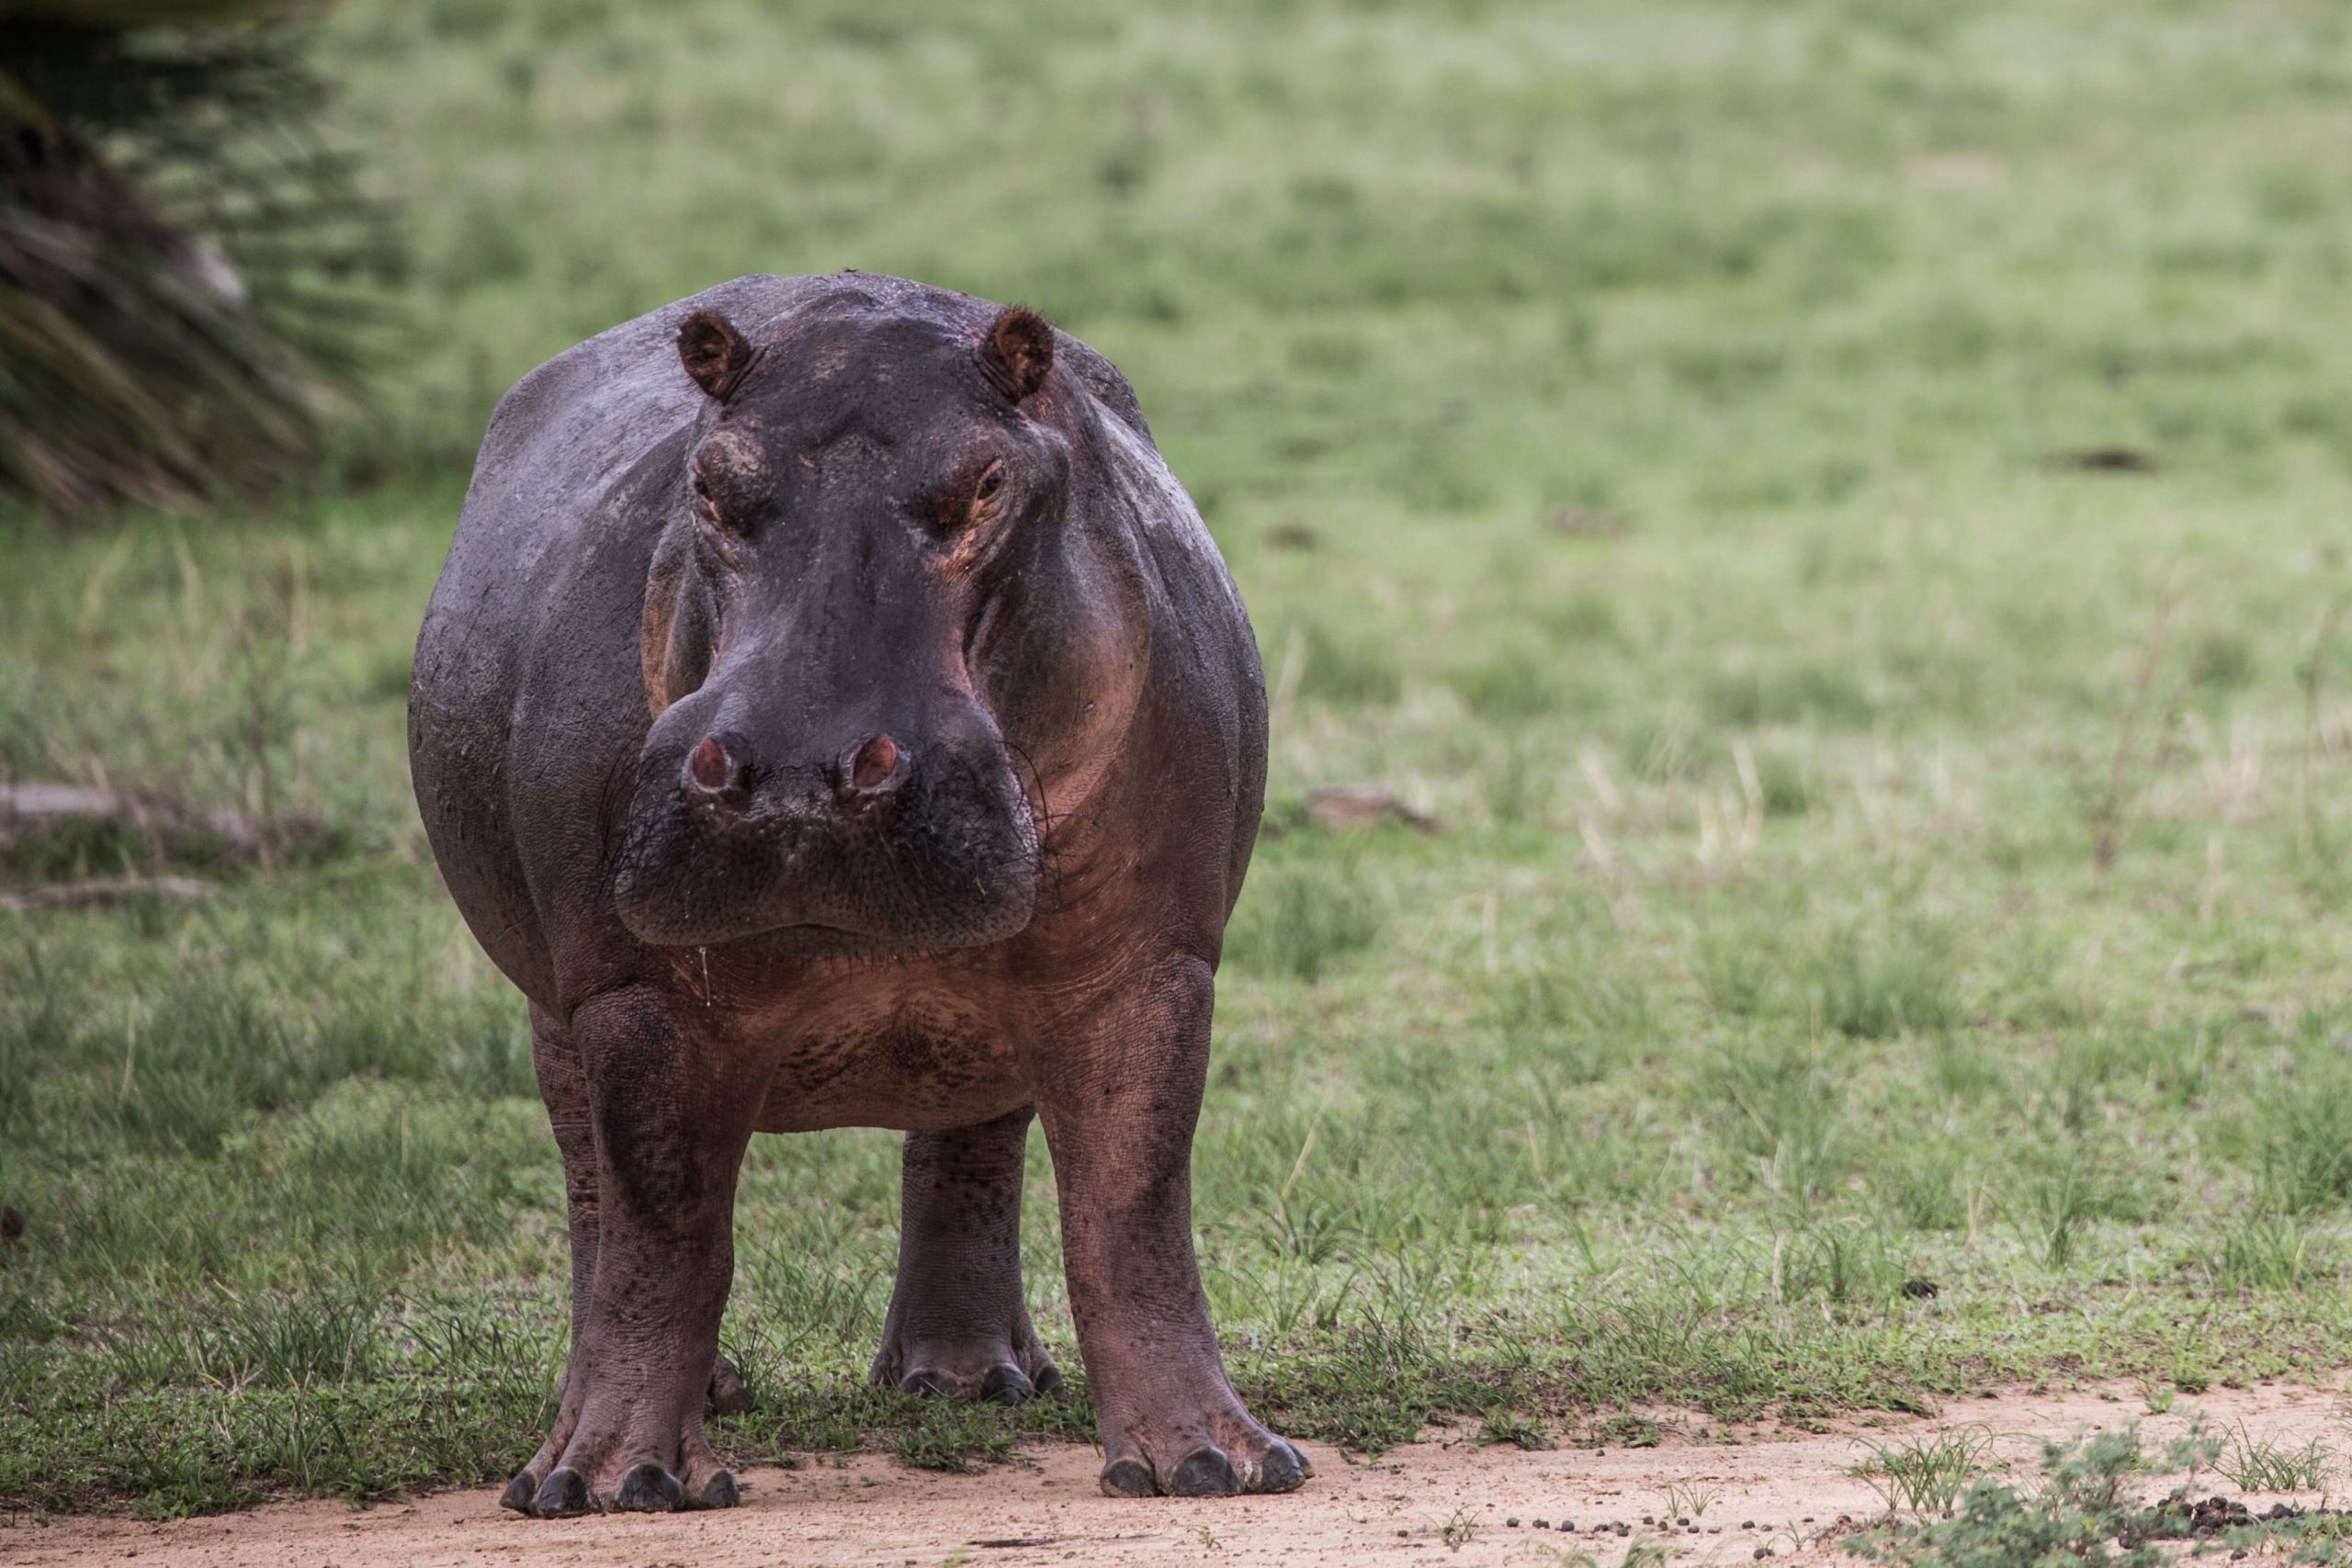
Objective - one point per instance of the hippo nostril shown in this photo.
(721, 764)
(875, 762)
(709, 764)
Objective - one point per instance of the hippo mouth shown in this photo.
(947, 859)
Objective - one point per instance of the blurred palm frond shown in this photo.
(182, 261)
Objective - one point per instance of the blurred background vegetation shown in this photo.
(1835, 510)
(179, 251)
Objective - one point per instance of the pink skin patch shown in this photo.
(876, 760)
(709, 765)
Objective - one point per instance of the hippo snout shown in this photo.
(721, 778)
(880, 845)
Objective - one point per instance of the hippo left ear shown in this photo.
(1018, 353)
(713, 351)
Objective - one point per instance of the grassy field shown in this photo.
(1838, 509)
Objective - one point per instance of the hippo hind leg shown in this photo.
(959, 1326)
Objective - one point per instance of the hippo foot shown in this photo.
(1003, 1383)
(994, 1370)
(557, 1485)
(645, 1487)
(576, 1474)
(1242, 1456)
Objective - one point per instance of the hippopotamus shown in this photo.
(833, 713)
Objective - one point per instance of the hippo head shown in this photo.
(892, 631)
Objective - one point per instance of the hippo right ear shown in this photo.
(713, 351)
(1018, 353)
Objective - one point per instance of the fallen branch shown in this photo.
(103, 892)
(27, 809)
(1349, 807)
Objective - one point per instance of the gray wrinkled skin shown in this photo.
(834, 714)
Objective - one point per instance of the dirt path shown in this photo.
(1437, 1503)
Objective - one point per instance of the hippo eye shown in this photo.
(962, 507)
(990, 483)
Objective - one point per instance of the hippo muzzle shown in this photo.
(908, 839)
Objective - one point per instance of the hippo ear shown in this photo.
(1018, 353)
(713, 351)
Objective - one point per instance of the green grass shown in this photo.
(1634, 428)
(1927, 1474)
(2082, 1503)
(2087, 1506)
(2269, 1464)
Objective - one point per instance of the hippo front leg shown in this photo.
(958, 1325)
(563, 1088)
(1119, 1105)
(669, 1124)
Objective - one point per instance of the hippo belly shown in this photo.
(916, 1057)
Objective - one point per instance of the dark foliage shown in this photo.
(182, 260)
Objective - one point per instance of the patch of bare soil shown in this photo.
(1781, 1492)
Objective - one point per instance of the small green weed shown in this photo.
(2078, 1512)
(1927, 1474)
(1576, 1012)
(2059, 1204)
(2266, 1464)
(1625, 1431)
(2266, 1252)
(1505, 1428)
(1688, 1500)
(1925, 1186)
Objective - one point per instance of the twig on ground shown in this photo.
(40, 806)
(103, 891)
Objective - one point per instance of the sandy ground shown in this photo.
(1436, 1503)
